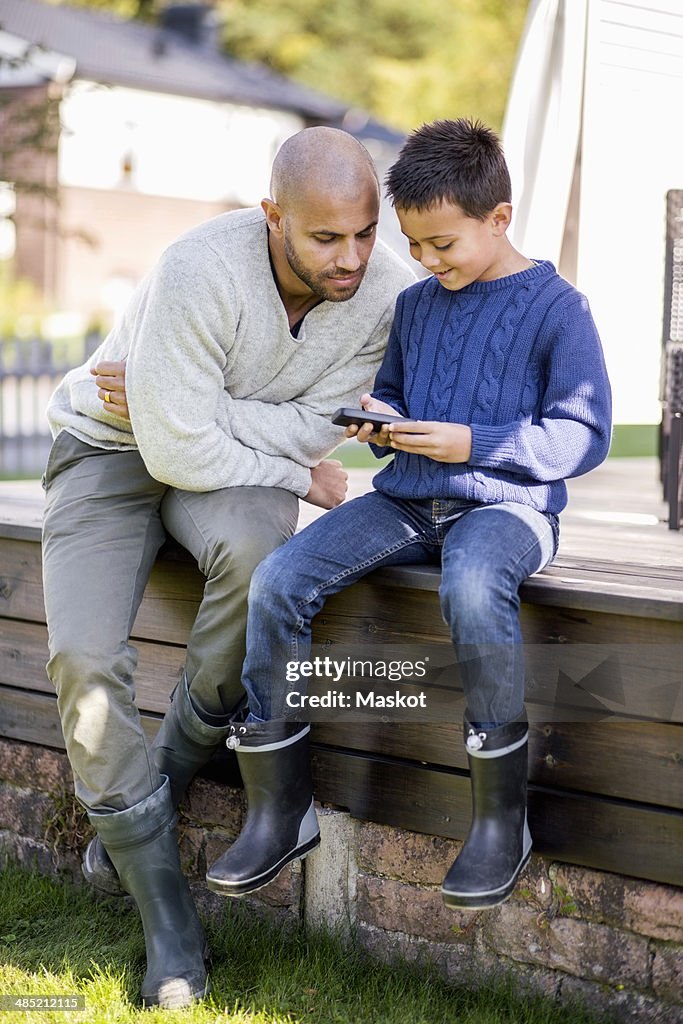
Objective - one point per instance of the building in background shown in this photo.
(160, 130)
(593, 140)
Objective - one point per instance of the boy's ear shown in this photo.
(500, 218)
(273, 215)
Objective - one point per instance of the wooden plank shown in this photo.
(635, 591)
(615, 512)
(34, 718)
(175, 589)
(580, 683)
(646, 570)
(605, 834)
(24, 653)
(547, 624)
(170, 604)
(635, 761)
(575, 584)
(427, 577)
(641, 762)
(168, 608)
(21, 585)
(379, 603)
(615, 664)
(30, 717)
(369, 614)
(21, 509)
(595, 832)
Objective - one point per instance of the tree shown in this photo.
(29, 127)
(404, 61)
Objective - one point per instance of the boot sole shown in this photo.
(177, 1000)
(180, 999)
(104, 887)
(249, 885)
(483, 900)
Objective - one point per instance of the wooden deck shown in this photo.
(606, 757)
(614, 514)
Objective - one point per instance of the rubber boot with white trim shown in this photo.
(499, 842)
(184, 743)
(143, 847)
(281, 825)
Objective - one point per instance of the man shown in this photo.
(251, 329)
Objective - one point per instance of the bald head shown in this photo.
(321, 160)
(321, 217)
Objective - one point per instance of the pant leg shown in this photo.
(101, 534)
(487, 555)
(229, 532)
(291, 585)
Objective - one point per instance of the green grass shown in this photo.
(57, 939)
(357, 456)
(634, 439)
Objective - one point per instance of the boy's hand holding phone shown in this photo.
(443, 442)
(366, 431)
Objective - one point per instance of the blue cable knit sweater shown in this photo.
(519, 360)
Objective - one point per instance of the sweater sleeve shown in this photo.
(388, 386)
(175, 385)
(572, 434)
(303, 425)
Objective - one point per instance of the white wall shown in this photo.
(605, 77)
(632, 153)
(180, 147)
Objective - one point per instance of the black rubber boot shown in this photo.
(183, 745)
(499, 843)
(281, 825)
(142, 845)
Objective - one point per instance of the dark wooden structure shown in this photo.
(605, 699)
(671, 446)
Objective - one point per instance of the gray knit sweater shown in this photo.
(220, 394)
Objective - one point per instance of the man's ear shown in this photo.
(500, 218)
(273, 215)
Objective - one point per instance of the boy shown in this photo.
(496, 365)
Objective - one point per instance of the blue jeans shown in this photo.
(486, 552)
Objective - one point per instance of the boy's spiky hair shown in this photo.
(459, 162)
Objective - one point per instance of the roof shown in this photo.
(23, 65)
(113, 51)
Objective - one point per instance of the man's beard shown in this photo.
(320, 284)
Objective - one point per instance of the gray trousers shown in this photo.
(105, 520)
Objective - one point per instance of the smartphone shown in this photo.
(344, 417)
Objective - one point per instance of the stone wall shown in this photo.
(612, 942)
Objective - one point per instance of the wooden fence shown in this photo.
(30, 369)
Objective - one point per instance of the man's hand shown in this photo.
(111, 382)
(329, 486)
(365, 433)
(444, 442)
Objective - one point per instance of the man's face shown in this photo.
(456, 248)
(328, 241)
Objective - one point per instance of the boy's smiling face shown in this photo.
(456, 248)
